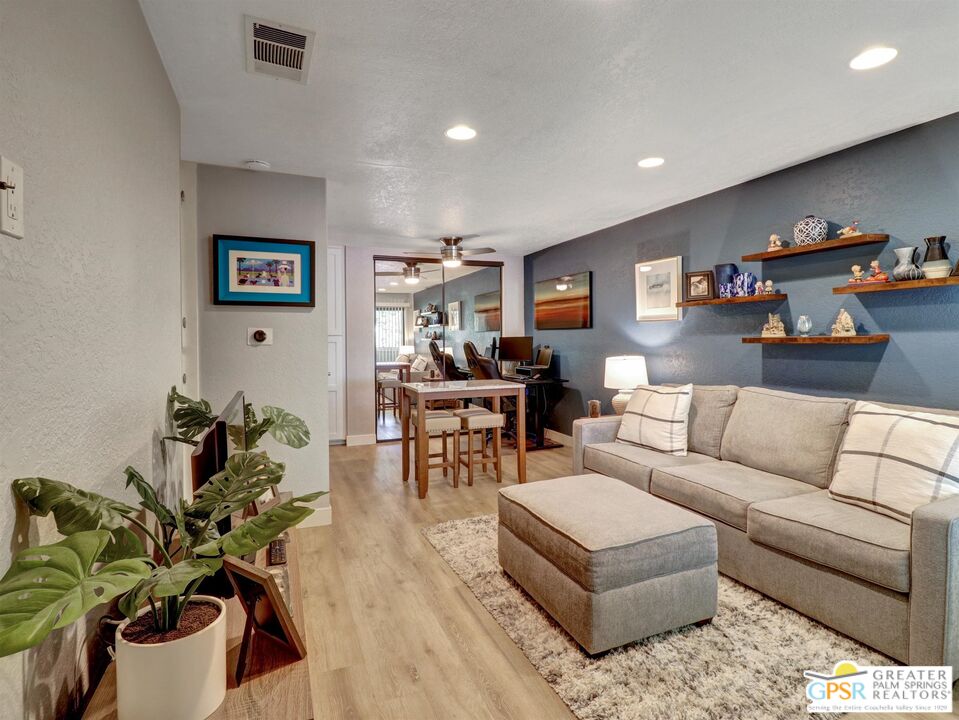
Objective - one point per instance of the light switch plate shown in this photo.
(250, 340)
(11, 200)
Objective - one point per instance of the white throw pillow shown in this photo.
(893, 461)
(658, 418)
(419, 364)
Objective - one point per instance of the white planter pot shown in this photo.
(183, 679)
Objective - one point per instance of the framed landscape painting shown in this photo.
(658, 289)
(486, 312)
(564, 303)
(263, 271)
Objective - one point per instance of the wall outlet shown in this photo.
(259, 336)
(11, 199)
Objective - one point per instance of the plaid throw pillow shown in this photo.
(893, 461)
(657, 418)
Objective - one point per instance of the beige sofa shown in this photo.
(759, 463)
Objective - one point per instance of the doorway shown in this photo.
(417, 302)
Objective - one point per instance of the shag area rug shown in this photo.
(746, 664)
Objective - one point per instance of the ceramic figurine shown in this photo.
(850, 229)
(810, 230)
(876, 273)
(774, 327)
(760, 288)
(775, 243)
(769, 287)
(856, 274)
(844, 324)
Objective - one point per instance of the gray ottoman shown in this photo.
(609, 562)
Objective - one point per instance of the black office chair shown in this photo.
(485, 368)
(445, 365)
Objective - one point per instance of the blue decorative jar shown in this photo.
(726, 273)
(810, 230)
(745, 284)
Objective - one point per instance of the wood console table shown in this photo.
(276, 684)
(422, 392)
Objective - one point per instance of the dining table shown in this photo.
(421, 393)
(403, 369)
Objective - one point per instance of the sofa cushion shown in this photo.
(419, 364)
(893, 461)
(657, 417)
(850, 539)
(785, 433)
(633, 464)
(722, 490)
(604, 534)
(708, 414)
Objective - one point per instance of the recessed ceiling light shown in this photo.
(393, 282)
(650, 162)
(461, 132)
(380, 289)
(645, 268)
(873, 58)
(256, 165)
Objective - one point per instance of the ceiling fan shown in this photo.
(452, 251)
(410, 274)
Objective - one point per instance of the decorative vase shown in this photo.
(745, 284)
(906, 268)
(183, 678)
(727, 290)
(810, 230)
(936, 263)
(804, 325)
(725, 273)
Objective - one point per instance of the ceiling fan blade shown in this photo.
(421, 253)
(389, 274)
(478, 251)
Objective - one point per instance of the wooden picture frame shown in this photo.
(266, 610)
(658, 289)
(256, 271)
(700, 285)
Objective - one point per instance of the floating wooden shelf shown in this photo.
(902, 285)
(819, 340)
(771, 297)
(838, 243)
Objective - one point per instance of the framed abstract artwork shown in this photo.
(564, 302)
(659, 288)
(262, 271)
(486, 312)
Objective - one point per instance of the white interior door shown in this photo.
(336, 336)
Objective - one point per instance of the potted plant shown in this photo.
(171, 650)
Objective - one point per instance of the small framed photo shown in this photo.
(262, 271)
(658, 289)
(700, 285)
(453, 312)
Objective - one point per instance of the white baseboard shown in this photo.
(559, 437)
(322, 516)
(360, 440)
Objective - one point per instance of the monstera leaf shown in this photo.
(253, 428)
(78, 510)
(167, 582)
(51, 586)
(257, 532)
(286, 428)
(192, 417)
(246, 476)
(150, 501)
(193, 531)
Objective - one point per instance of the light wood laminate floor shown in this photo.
(392, 632)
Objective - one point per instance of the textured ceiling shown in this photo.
(566, 96)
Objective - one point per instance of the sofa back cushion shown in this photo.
(893, 461)
(657, 417)
(786, 433)
(708, 414)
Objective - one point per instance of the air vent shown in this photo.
(278, 50)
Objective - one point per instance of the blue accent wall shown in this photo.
(905, 184)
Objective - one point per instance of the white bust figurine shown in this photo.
(775, 242)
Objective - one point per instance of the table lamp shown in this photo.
(624, 373)
(407, 350)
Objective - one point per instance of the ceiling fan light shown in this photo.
(412, 280)
(452, 262)
(451, 255)
(411, 275)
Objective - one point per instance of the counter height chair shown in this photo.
(441, 423)
(476, 420)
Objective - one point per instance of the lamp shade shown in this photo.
(407, 350)
(625, 372)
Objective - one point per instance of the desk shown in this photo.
(540, 388)
(421, 393)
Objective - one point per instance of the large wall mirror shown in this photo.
(419, 301)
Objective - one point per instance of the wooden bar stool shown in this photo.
(442, 423)
(388, 396)
(478, 420)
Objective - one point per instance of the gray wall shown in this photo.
(291, 373)
(465, 289)
(905, 184)
(90, 297)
